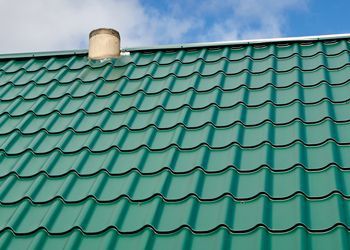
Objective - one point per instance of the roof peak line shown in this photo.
(183, 46)
(243, 42)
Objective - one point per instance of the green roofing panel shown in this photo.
(235, 146)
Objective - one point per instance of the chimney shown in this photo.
(104, 43)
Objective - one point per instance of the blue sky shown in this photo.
(300, 18)
(320, 18)
(40, 25)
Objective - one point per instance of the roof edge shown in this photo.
(182, 46)
(243, 42)
(43, 54)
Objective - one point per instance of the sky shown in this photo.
(41, 25)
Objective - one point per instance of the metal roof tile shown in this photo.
(193, 147)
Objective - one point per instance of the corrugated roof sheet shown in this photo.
(243, 146)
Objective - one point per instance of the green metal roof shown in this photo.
(243, 146)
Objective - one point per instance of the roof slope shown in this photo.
(211, 147)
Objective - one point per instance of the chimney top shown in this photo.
(104, 43)
(104, 31)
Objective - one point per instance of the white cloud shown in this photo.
(40, 25)
(251, 19)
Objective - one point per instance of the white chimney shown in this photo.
(104, 43)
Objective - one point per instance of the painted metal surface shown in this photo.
(244, 147)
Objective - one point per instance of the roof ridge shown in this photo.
(244, 42)
(182, 46)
